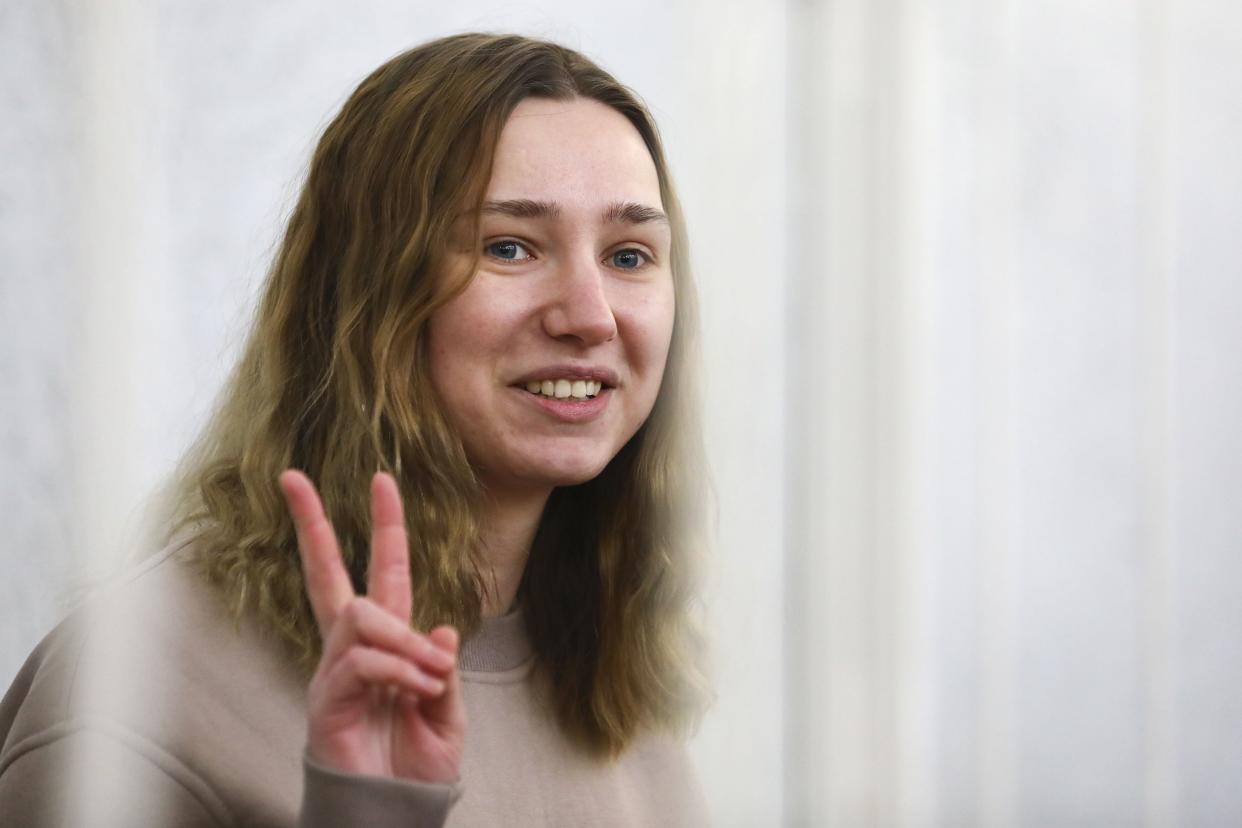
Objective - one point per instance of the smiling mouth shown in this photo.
(565, 389)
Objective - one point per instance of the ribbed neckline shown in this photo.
(500, 644)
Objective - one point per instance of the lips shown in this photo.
(569, 410)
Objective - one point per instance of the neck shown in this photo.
(510, 520)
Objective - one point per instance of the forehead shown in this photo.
(579, 153)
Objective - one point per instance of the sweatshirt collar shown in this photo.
(500, 644)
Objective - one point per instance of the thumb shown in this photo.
(446, 638)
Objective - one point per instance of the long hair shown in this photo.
(334, 380)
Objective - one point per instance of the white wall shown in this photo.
(970, 282)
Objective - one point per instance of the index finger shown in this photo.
(327, 583)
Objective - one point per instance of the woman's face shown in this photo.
(552, 357)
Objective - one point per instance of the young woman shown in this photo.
(465, 413)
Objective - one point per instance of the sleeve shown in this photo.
(45, 783)
(334, 798)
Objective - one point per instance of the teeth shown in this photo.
(564, 389)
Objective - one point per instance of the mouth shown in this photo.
(568, 396)
(565, 389)
(568, 383)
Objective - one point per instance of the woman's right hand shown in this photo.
(384, 700)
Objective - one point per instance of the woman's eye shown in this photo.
(508, 250)
(628, 259)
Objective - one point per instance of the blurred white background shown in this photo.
(972, 279)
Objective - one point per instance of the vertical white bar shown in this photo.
(886, 341)
(831, 740)
(1156, 222)
(914, 330)
(998, 402)
(731, 172)
(121, 289)
(807, 699)
(857, 681)
(116, 165)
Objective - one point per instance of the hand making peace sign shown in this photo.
(384, 700)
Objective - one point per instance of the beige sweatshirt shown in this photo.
(147, 706)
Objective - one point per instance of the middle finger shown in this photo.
(388, 574)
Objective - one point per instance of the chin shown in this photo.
(567, 472)
(575, 476)
(545, 464)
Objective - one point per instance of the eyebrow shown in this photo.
(523, 208)
(619, 212)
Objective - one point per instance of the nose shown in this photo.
(580, 310)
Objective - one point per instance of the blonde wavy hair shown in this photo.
(333, 380)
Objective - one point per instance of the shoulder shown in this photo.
(154, 664)
(158, 631)
(661, 767)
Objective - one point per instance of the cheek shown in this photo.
(443, 331)
(468, 331)
(653, 325)
(451, 353)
